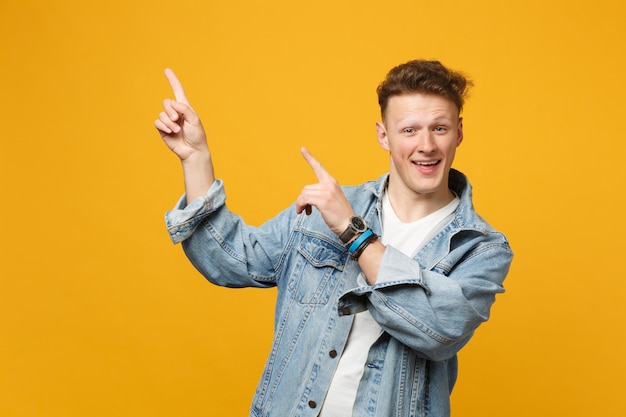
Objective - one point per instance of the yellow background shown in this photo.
(100, 315)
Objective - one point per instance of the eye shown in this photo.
(408, 130)
(440, 129)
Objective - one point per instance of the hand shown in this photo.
(179, 125)
(182, 132)
(326, 196)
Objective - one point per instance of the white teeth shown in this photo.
(427, 163)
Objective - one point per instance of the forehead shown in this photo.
(421, 105)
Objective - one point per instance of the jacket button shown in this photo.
(345, 310)
(312, 404)
(332, 353)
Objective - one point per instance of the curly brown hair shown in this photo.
(421, 76)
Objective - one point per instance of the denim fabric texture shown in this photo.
(428, 306)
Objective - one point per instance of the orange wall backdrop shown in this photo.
(100, 315)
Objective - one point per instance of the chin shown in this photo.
(429, 189)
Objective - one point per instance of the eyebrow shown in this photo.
(445, 118)
(413, 121)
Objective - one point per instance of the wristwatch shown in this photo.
(357, 226)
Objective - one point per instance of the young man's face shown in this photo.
(421, 133)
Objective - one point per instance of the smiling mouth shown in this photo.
(427, 163)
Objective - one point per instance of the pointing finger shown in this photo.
(177, 87)
(321, 173)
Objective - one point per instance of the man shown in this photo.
(379, 285)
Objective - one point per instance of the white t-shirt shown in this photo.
(407, 238)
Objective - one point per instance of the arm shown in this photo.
(435, 310)
(182, 131)
(226, 253)
(223, 248)
(230, 253)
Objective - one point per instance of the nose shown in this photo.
(425, 142)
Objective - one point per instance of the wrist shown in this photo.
(358, 245)
(198, 175)
(197, 159)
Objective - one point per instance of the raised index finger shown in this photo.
(321, 173)
(177, 87)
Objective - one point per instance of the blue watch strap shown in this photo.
(357, 242)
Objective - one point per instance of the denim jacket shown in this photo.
(428, 306)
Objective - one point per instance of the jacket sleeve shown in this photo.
(223, 248)
(436, 310)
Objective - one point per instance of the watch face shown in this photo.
(358, 223)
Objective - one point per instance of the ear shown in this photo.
(381, 133)
(460, 132)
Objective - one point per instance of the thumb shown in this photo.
(187, 113)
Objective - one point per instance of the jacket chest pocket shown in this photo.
(316, 271)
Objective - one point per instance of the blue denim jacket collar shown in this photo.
(465, 216)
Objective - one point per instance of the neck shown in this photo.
(410, 207)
